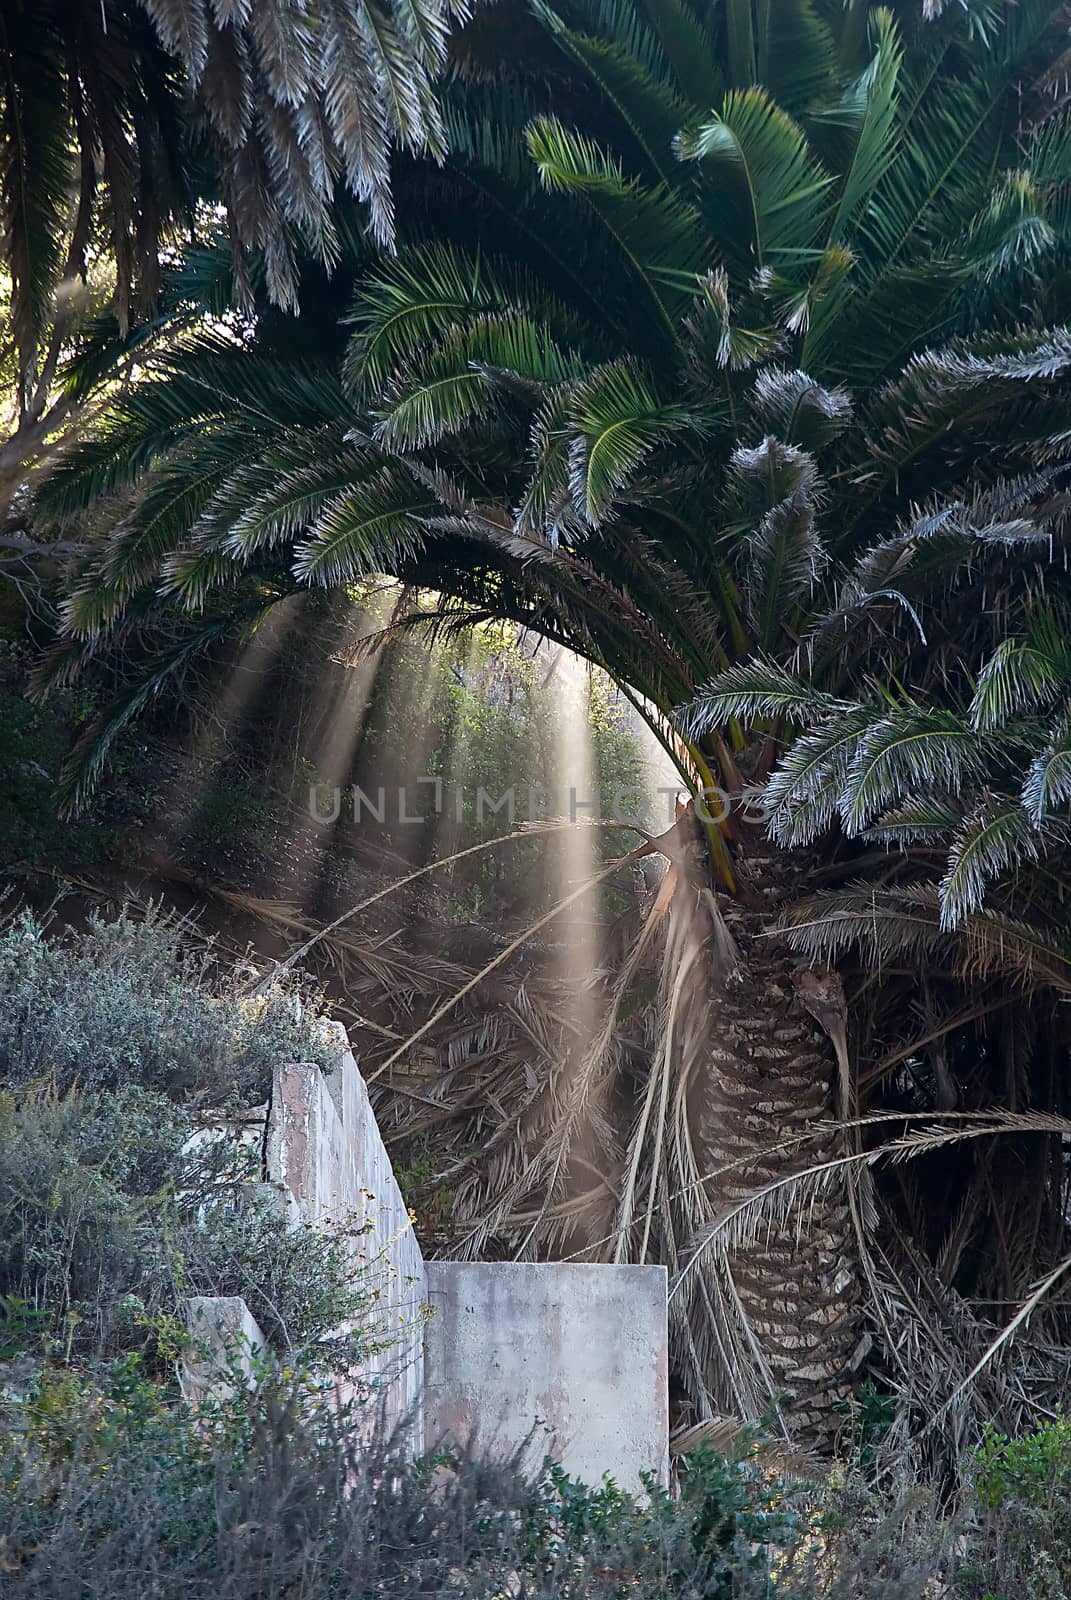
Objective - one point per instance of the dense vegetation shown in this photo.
(721, 344)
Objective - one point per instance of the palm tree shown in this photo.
(123, 122)
(713, 382)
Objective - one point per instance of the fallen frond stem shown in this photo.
(531, 832)
(503, 955)
(1021, 1316)
(822, 1130)
(754, 1207)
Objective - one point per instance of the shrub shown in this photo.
(82, 1207)
(299, 1283)
(1022, 1543)
(109, 1218)
(128, 1002)
(129, 1497)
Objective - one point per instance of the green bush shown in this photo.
(1022, 1488)
(113, 1494)
(128, 1002)
(299, 1283)
(110, 1217)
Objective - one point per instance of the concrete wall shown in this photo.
(325, 1154)
(573, 1355)
(577, 1353)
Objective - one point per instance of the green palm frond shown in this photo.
(912, 750)
(798, 410)
(287, 488)
(765, 175)
(764, 476)
(1048, 781)
(414, 300)
(616, 419)
(996, 836)
(1012, 232)
(1023, 674)
(371, 526)
(931, 819)
(946, 134)
(865, 116)
(751, 691)
(452, 384)
(795, 55)
(958, 393)
(716, 340)
(658, 234)
(547, 502)
(649, 107)
(784, 560)
(83, 766)
(807, 790)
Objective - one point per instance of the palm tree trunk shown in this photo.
(779, 1286)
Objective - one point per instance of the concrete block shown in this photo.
(226, 1342)
(578, 1353)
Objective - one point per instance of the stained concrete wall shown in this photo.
(225, 1344)
(576, 1353)
(325, 1154)
(571, 1358)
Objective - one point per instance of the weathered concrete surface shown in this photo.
(225, 1343)
(575, 1356)
(325, 1153)
(579, 1353)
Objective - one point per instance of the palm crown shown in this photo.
(687, 400)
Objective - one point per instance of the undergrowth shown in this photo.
(133, 1002)
(114, 1494)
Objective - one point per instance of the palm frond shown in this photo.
(912, 750)
(798, 410)
(656, 231)
(452, 384)
(996, 836)
(85, 762)
(785, 559)
(751, 691)
(904, 922)
(616, 420)
(1048, 781)
(1022, 674)
(371, 526)
(776, 189)
(866, 114)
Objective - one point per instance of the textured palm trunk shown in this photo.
(783, 1280)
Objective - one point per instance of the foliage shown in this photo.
(118, 106)
(1024, 1536)
(112, 1213)
(277, 1501)
(134, 1003)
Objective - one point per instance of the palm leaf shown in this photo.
(372, 526)
(751, 691)
(654, 229)
(777, 192)
(995, 837)
(616, 419)
(911, 750)
(1048, 781)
